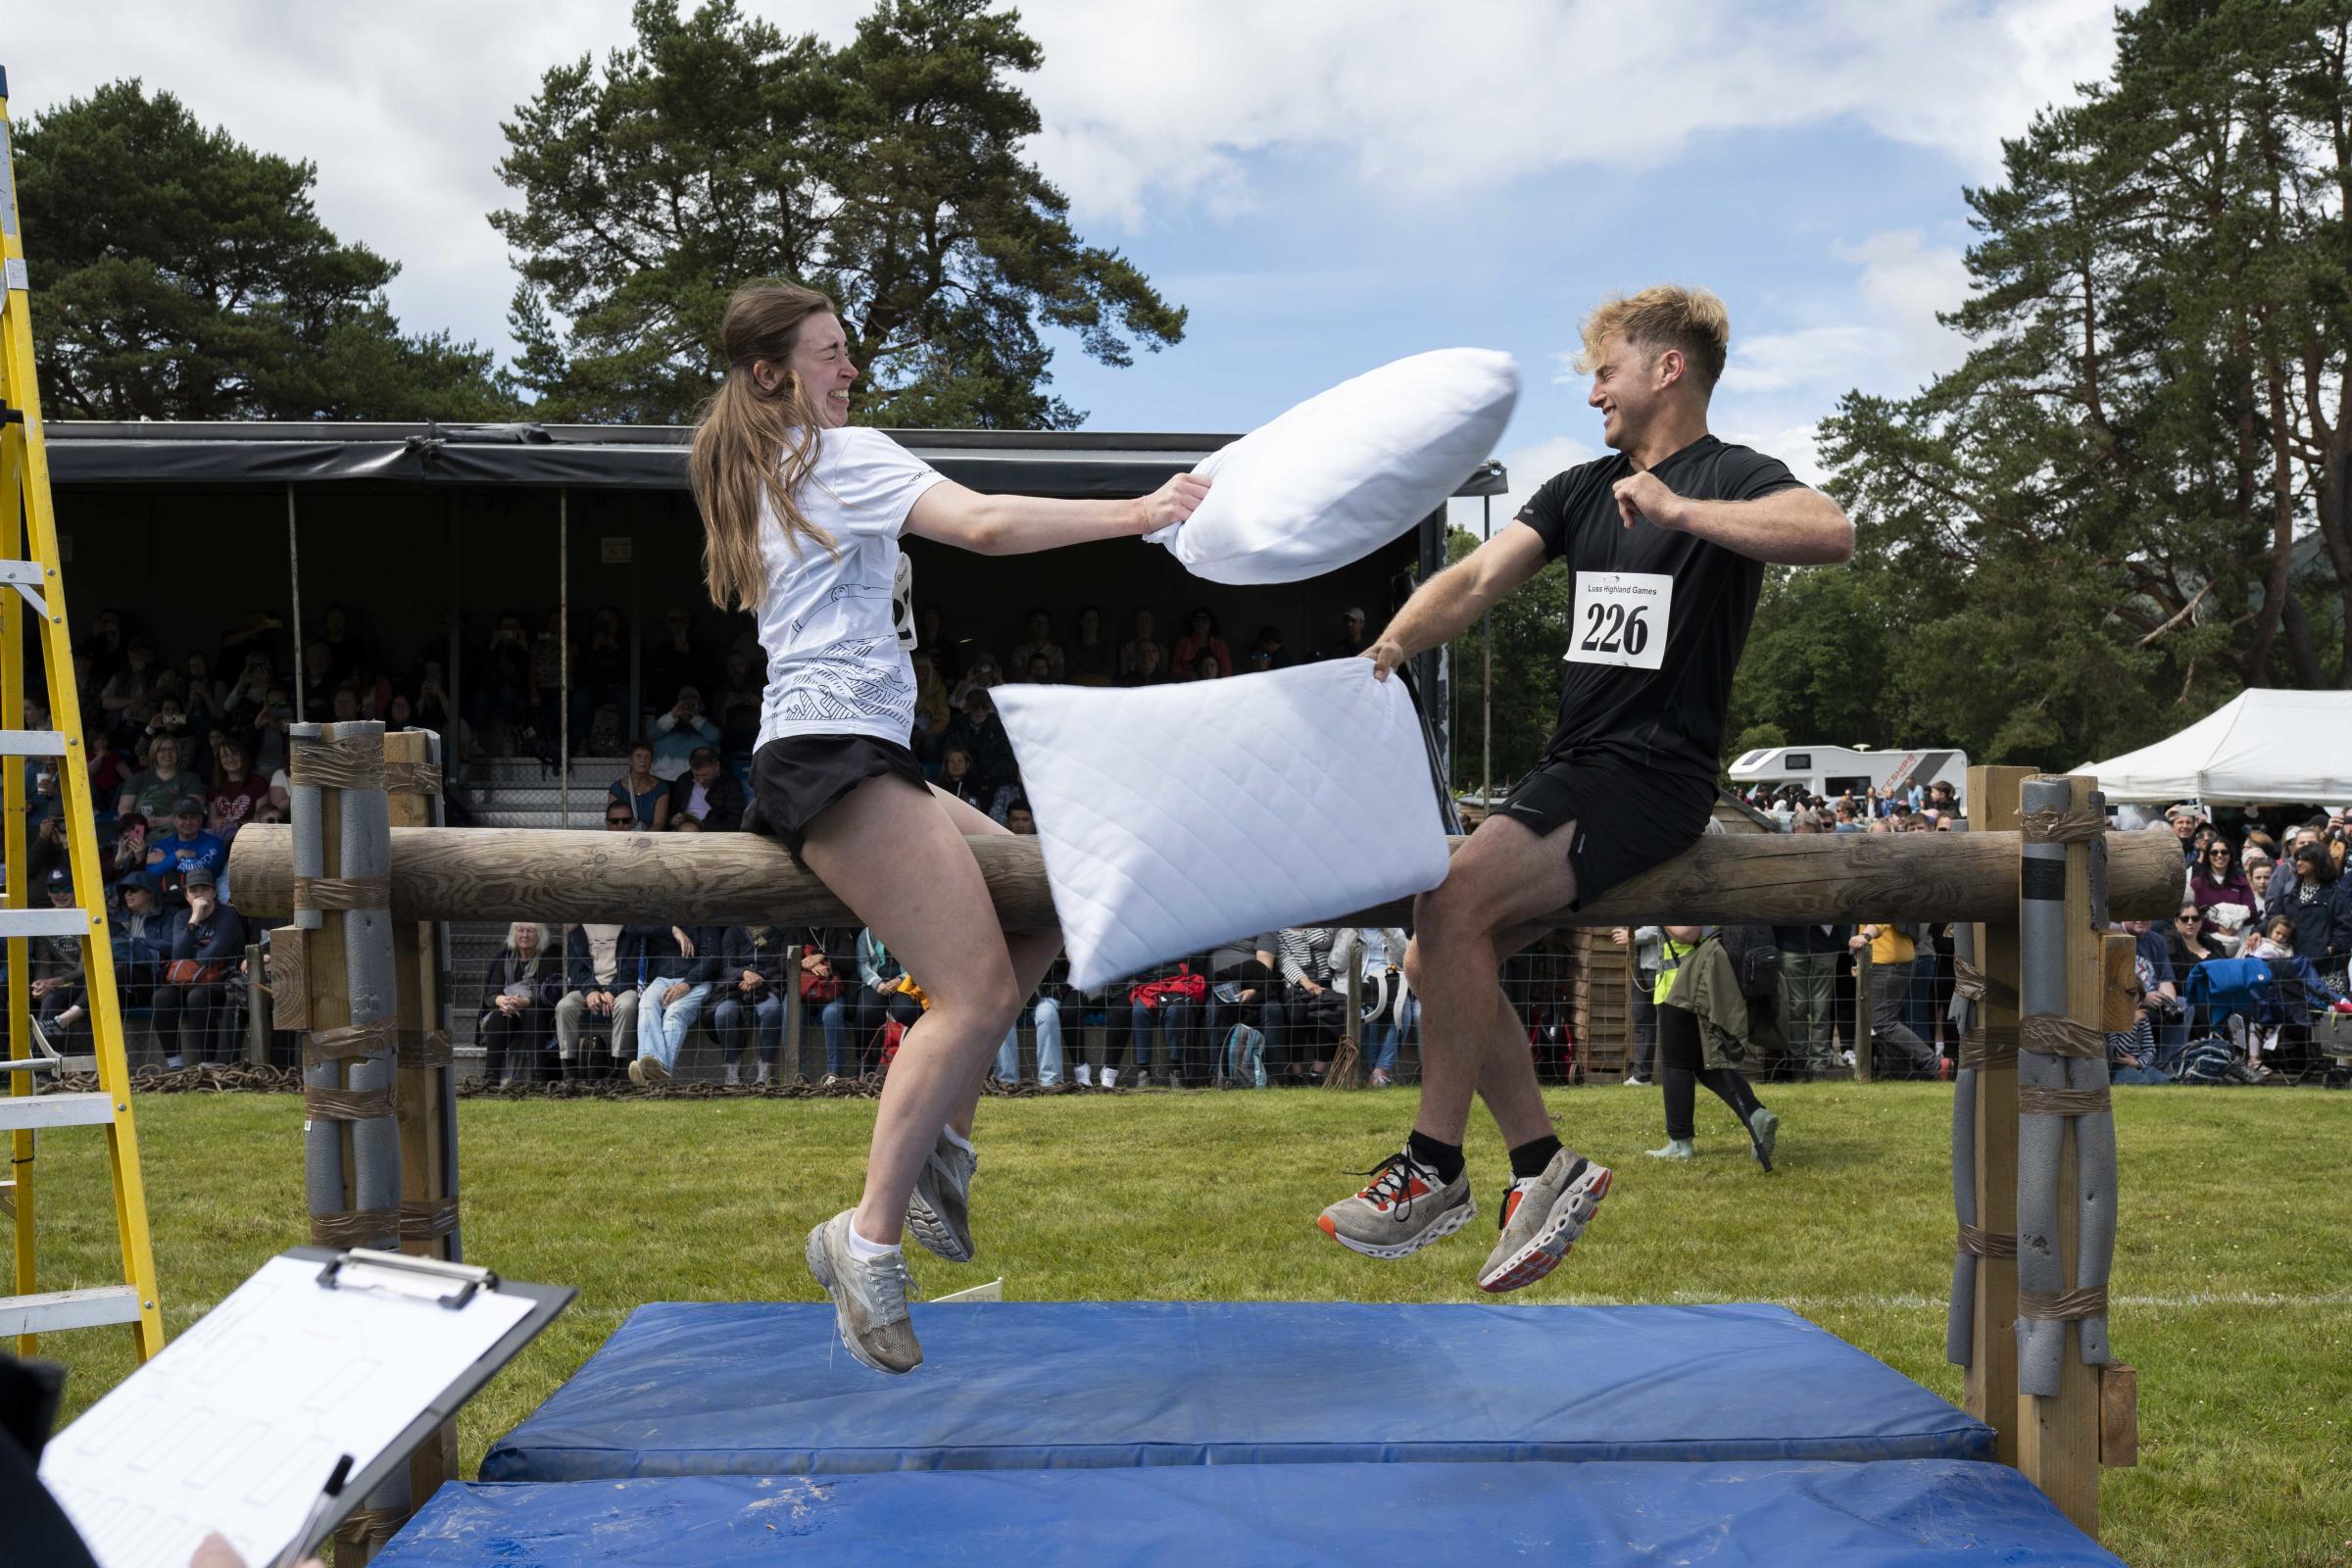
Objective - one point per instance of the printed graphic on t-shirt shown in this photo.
(834, 595)
(845, 682)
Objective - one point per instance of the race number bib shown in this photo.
(1620, 617)
(902, 603)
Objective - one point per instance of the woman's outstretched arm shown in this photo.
(1014, 525)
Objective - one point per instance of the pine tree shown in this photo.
(717, 151)
(183, 275)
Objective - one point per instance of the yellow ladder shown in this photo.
(30, 585)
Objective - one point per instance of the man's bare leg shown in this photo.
(1501, 884)
(1496, 897)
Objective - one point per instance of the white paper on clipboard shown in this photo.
(235, 1426)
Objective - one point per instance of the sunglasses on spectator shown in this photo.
(620, 820)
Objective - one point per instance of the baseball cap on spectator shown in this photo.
(198, 876)
(61, 879)
(1352, 613)
(189, 804)
(702, 753)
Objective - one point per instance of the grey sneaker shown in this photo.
(869, 1299)
(940, 1213)
(1541, 1218)
(1763, 1130)
(1402, 1209)
(649, 1072)
(1674, 1148)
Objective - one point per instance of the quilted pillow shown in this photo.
(1174, 818)
(1348, 471)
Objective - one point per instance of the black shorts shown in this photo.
(1627, 820)
(796, 777)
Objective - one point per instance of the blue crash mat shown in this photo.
(749, 1389)
(1905, 1513)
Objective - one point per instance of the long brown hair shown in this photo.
(750, 442)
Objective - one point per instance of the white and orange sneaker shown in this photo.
(1402, 1209)
(1541, 1218)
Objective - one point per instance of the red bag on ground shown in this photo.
(1182, 986)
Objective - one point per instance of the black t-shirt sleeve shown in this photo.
(1746, 474)
(1552, 511)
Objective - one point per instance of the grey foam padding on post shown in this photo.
(367, 842)
(2095, 1206)
(1959, 1323)
(1962, 1013)
(304, 806)
(322, 1143)
(2041, 992)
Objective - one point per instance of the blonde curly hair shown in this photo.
(1665, 317)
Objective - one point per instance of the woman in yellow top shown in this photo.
(1891, 952)
(1682, 1051)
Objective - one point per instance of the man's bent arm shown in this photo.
(1799, 527)
(1445, 607)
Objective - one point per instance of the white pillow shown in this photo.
(1175, 818)
(1348, 471)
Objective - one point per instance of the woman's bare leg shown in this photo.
(900, 864)
(1032, 951)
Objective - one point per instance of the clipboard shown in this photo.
(452, 1285)
(236, 1425)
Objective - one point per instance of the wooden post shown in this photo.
(428, 1200)
(1865, 1048)
(2058, 1428)
(1991, 1397)
(788, 1056)
(257, 1022)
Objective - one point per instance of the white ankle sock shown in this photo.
(957, 1138)
(865, 1251)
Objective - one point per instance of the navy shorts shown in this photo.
(795, 779)
(1627, 819)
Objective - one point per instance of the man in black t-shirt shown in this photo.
(1667, 541)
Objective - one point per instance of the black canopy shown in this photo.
(1081, 463)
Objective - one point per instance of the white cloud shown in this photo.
(1156, 100)
(1149, 104)
(1779, 385)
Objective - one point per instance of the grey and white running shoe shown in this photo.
(869, 1299)
(1763, 1131)
(940, 1213)
(1402, 1209)
(1541, 1218)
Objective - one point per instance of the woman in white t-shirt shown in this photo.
(801, 514)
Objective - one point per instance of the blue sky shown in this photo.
(1326, 185)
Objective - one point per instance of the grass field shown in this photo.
(2233, 1278)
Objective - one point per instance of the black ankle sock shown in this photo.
(1530, 1157)
(1443, 1158)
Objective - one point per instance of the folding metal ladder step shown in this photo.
(55, 1110)
(53, 1311)
(69, 922)
(32, 743)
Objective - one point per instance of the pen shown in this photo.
(309, 1522)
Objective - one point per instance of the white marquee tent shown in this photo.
(2262, 746)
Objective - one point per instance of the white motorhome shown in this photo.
(1829, 771)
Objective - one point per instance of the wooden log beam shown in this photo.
(741, 878)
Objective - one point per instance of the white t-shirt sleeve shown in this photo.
(872, 481)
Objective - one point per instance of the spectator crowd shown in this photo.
(182, 752)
